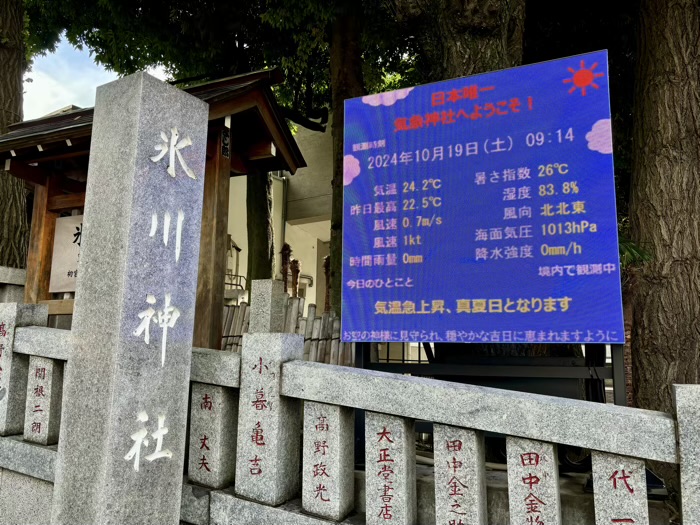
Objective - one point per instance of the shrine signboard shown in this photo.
(482, 209)
(66, 253)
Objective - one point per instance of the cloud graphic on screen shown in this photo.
(600, 137)
(351, 169)
(386, 99)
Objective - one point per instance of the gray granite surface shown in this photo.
(577, 505)
(390, 491)
(460, 476)
(42, 418)
(16, 276)
(227, 509)
(328, 460)
(269, 425)
(635, 432)
(11, 293)
(53, 343)
(213, 424)
(195, 504)
(24, 500)
(27, 458)
(687, 401)
(533, 481)
(619, 487)
(122, 442)
(216, 367)
(267, 301)
(13, 367)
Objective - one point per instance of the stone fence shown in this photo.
(12, 284)
(271, 439)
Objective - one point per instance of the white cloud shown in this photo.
(600, 137)
(67, 77)
(351, 169)
(386, 99)
(158, 72)
(59, 79)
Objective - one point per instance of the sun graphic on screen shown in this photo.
(583, 78)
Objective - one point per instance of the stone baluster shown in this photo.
(619, 490)
(533, 482)
(460, 475)
(269, 425)
(14, 367)
(213, 428)
(687, 401)
(328, 469)
(42, 419)
(390, 469)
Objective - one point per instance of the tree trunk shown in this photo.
(260, 234)
(460, 38)
(465, 37)
(665, 205)
(346, 82)
(14, 230)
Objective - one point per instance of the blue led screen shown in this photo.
(482, 209)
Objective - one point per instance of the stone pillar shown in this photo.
(267, 303)
(122, 441)
(687, 399)
(619, 489)
(390, 469)
(213, 424)
(460, 475)
(533, 482)
(12, 284)
(44, 395)
(328, 479)
(13, 367)
(269, 425)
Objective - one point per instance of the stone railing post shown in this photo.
(619, 489)
(14, 367)
(12, 284)
(213, 428)
(328, 486)
(687, 398)
(122, 439)
(460, 475)
(42, 418)
(269, 425)
(390, 469)
(533, 481)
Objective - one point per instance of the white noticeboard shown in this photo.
(66, 253)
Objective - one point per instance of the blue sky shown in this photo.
(66, 77)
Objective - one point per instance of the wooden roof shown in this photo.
(259, 134)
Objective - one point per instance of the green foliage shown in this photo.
(631, 254)
(218, 38)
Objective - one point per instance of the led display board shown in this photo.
(482, 210)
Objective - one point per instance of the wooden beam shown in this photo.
(59, 306)
(69, 201)
(28, 173)
(30, 141)
(70, 185)
(53, 155)
(208, 316)
(280, 136)
(238, 167)
(222, 109)
(40, 245)
(261, 150)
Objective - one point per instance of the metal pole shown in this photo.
(618, 366)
